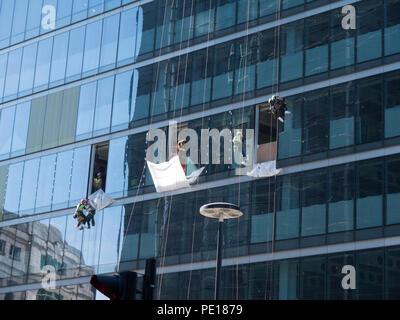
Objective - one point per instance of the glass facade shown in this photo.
(81, 97)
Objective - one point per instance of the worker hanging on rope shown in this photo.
(90, 215)
(237, 143)
(80, 215)
(277, 106)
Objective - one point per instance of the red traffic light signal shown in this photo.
(120, 286)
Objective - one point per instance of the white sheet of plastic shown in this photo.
(264, 170)
(100, 200)
(168, 176)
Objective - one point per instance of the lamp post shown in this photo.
(221, 211)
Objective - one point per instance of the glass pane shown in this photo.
(39, 232)
(13, 192)
(127, 37)
(55, 243)
(7, 116)
(268, 7)
(292, 51)
(59, 59)
(146, 20)
(92, 48)
(370, 110)
(34, 19)
(123, 106)
(87, 102)
(314, 198)
(45, 184)
(64, 11)
(3, 186)
(80, 172)
(335, 276)
(3, 69)
(117, 168)
(369, 195)
(288, 209)
(52, 120)
(341, 128)
(95, 7)
(204, 19)
(291, 3)
(392, 26)
(393, 191)
(13, 69)
(75, 53)
(312, 280)
(28, 68)
(6, 15)
(104, 101)
(286, 283)
(36, 124)
(144, 76)
(62, 180)
(369, 266)
(392, 275)
(79, 10)
(392, 105)
(247, 10)
(29, 186)
(18, 29)
(112, 237)
(266, 57)
(72, 249)
(341, 199)
(69, 114)
(226, 14)
(43, 63)
(223, 70)
(109, 42)
(316, 121)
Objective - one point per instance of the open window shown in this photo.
(99, 167)
(267, 133)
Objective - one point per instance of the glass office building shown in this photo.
(79, 97)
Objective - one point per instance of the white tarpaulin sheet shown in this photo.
(264, 170)
(168, 176)
(100, 200)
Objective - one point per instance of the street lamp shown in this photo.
(220, 211)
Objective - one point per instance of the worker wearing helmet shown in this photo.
(79, 214)
(98, 182)
(278, 107)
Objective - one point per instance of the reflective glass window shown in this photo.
(64, 11)
(143, 92)
(314, 198)
(7, 116)
(20, 128)
(292, 51)
(342, 42)
(13, 69)
(87, 103)
(95, 7)
(111, 239)
(316, 44)
(392, 190)
(289, 142)
(28, 69)
(92, 48)
(146, 20)
(80, 172)
(369, 279)
(342, 116)
(72, 249)
(316, 129)
(36, 124)
(288, 209)
(55, 243)
(392, 105)
(18, 28)
(181, 88)
(21, 253)
(6, 20)
(268, 7)
(102, 116)
(75, 53)
(46, 22)
(267, 59)
(392, 26)
(291, 3)
(127, 37)
(287, 284)
(312, 279)
(13, 192)
(392, 275)
(3, 187)
(226, 14)
(43, 63)
(247, 10)
(245, 69)
(369, 38)
(80, 10)
(123, 105)
(335, 276)
(109, 42)
(45, 183)
(59, 59)
(111, 4)
(3, 70)
(224, 63)
(202, 69)
(204, 17)
(117, 168)
(369, 120)
(29, 186)
(369, 194)
(262, 220)
(62, 180)
(341, 199)
(69, 113)
(34, 19)
(52, 120)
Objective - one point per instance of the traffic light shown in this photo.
(119, 286)
(149, 279)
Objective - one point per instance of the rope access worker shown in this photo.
(278, 107)
(90, 215)
(80, 215)
(98, 182)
